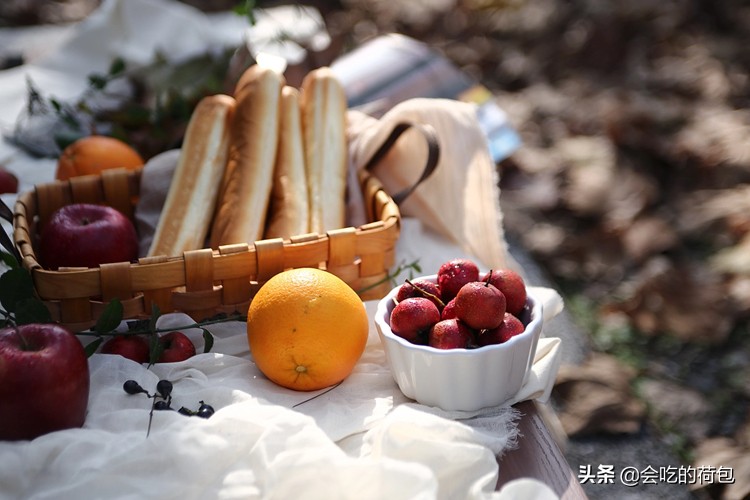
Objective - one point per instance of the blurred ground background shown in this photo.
(630, 194)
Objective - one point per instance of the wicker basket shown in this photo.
(202, 282)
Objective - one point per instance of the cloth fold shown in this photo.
(460, 200)
(363, 439)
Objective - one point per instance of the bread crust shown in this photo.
(189, 207)
(289, 206)
(248, 178)
(323, 106)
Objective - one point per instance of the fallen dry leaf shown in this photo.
(590, 174)
(687, 302)
(725, 452)
(669, 402)
(699, 210)
(647, 236)
(716, 135)
(597, 397)
(734, 259)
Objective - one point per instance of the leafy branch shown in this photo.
(391, 276)
(147, 107)
(246, 8)
(112, 317)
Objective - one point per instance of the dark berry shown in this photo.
(133, 387)
(161, 405)
(164, 388)
(205, 410)
(185, 411)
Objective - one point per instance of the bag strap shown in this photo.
(5, 240)
(433, 154)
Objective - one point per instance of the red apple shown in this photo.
(133, 347)
(513, 287)
(8, 182)
(454, 274)
(177, 347)
(413, 317)
(449, 311)
(420, 288)
(480, 305)
(44, 381)
(86, 235)
(510, 327)
(451, 334)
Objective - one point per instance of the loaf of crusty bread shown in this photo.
(288, 212)
(323, 107)
(254, 132)
(191, 200)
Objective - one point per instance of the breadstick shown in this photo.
(289, 210)
(323, 106)
(191, 200)
(246, 187)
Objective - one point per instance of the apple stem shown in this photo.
(426, 293)
(24, 343)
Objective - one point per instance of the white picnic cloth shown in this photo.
(363, 439)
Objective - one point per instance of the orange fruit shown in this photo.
(306, 329)
(94, 153)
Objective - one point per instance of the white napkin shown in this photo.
(460, 200)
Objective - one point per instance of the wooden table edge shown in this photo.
(538, 456)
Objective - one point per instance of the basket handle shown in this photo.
(433, 154)
(7, 214)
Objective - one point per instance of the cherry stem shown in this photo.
(426, 293)
(489, 277)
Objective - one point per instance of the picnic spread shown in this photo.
(360, 439)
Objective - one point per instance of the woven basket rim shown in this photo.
(341, 250)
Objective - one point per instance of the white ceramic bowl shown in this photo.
(460, 379)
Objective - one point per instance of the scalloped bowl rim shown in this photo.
(382, 311)
(470, 364)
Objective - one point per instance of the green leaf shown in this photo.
(32, 310)
(9, 260)
(66, 137)
(98, 81)
(117, 66)
(155, 348)
(70, 120)
(93, 346)
(110, 317)
(155, 313)
(246, 9)
(208, 340)
(15, 285)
